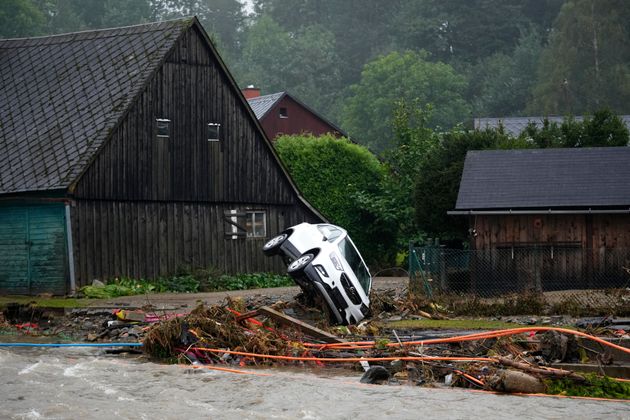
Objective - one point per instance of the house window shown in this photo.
(162, 128)
(214, 131)
(256, 224)
(284, 113)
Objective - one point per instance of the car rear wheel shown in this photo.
(297, 267)
(273, 245)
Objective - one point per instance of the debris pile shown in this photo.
(517, 360)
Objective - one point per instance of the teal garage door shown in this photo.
(33, 257)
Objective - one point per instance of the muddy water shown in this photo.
(75, 383)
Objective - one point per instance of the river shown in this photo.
(82, 383)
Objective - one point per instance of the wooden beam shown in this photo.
(301, 326)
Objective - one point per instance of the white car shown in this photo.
(323, 260)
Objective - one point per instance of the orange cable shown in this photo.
(469, 337)
(347, 359)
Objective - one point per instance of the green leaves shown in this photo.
(409, 77)
(586, 65)
(347, 184)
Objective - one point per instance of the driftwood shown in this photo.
(555, 373)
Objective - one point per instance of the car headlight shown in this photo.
(336, 261)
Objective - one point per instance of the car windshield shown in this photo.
(350, 253)
(330, 232)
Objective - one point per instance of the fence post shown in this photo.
(442, 269)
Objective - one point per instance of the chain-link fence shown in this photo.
(558, 272)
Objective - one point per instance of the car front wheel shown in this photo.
(273, 245)
(297, 267)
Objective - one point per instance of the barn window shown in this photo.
(214, 131)
(284, 113)
(163, 128)
(256, 224)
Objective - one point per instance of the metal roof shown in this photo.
(568, 178)
(60, 96)
(516, 125)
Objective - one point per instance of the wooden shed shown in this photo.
(282, 113)
(554, 218)
(131, 152)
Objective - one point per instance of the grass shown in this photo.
(47, 302)
(450, 324)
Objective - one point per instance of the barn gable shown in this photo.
(131, 152)
(60, 96)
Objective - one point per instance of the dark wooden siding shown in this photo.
(551, 252)
(299, 120)
(147, 206)
(191, 90)
(151, 239)
(587, 231)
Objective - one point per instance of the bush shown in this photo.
(249, 281)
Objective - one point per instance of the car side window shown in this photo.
(330, 232)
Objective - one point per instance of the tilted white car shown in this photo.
(323, 261)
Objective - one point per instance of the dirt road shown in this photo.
(191, 300)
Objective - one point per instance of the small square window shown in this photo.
(214, 130)
(163, 128)
(284, 113)
(256, 224)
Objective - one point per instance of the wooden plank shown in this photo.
(299, 325)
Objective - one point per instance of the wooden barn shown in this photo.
(282, 113)
(548, 219)
(131, 152)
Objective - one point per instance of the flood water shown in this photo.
(80, 383)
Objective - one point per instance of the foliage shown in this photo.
(222, 19)
(410, 77)
(20, 18)
(586, 64)
(501, 84)
(439, 174)
(304, 63)
(602, 129)
(249, 281)
(595, 386)
(341, 179)
(128, 287)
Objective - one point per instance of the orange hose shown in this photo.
(469, 337)
(347, 359)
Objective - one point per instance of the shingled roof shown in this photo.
(61, 95)
(516, 125)
(262, 104)
(575, 178)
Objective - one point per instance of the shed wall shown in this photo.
(152, 239)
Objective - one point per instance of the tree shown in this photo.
(20, 18)
(336, 175)
(586, 65)
(603, 129)
(361, 28)
(409, 77)
(224, 20)
(460, 30)
(439, 175)
(501, 85)
(303, 63)
(78, 15)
